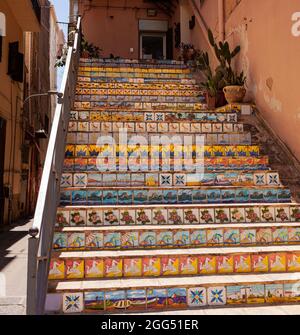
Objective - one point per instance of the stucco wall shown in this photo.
(270, 57)
(10, 109)
(115, 29)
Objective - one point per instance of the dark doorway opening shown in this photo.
(2, 156)
(153, 46)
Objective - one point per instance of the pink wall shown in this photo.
(115, 30)
(270, 57)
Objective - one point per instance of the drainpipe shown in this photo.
(221, 20)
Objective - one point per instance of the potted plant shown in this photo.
(210, 85)
(231, 83)
(188, 52)
(89, 50)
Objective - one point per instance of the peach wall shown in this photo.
(115, 30)
(270, 57)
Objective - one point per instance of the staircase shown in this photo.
(159, 237)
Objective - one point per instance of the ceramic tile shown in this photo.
(264, 235)
(231, 236)
(225, 264)
(115, 301)
(267, 214)
(80, 179)
(252, 215)
(273, 179)
(127, 217)
(78, 218)
(113, 268)
(94, 268)
(147, 239)
(57, 269)
(175, 216)
(291, 292)
(236, 295)
(76, 240)
(238, 215)
(282, 214)
(164, 238)
(112, 240)
(73, 302)
(62, 218)
(170, 266)
(260, 263)
(248, 236)
(151, 266)
(66, 180)
(188, 265)
(293, 262)
(137, 299)
(132, 267)
(94, 217)
(280, 235)
(277, 262)
(295, 214)
(197, 297)
(207, 264)
(222, 215)
(144, 216)
(94, 301)
(111, 217)
(160, 216)
(191, 216)
(156, 298)
(242, 263)
(130, 239)
(274, 293)
(255, 294)
(74, 269)
(177, 298)
(216, 296)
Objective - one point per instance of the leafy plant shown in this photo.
(92, 50)
(188, 52)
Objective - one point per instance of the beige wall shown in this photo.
(11, 97)
(270, 57)
(115, 30)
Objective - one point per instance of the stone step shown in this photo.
(208, 118)
(138, 98)
(148, 134)
(178, 178)
(98, 296)
(88, 87)
(208, 150)
(91, 216)
(147, 106)
(210, 164)
(168, 236)
(138, 80)
(167, 92)
(174, 262)
(125, 70)
(168, 128)
(175, 195)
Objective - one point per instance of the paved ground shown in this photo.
(13, 268)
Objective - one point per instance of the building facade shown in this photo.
(270, 48)
(25, 122)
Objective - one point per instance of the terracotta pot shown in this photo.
(220, 99)
(234, 94)
(211, 101)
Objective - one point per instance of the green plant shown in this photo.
(89, 48)
(225, 56)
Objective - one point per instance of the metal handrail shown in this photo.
(42, 230)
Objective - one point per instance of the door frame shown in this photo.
(153, 34)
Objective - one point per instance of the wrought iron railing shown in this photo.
(41, 232)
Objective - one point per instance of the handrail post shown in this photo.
(31, 276)
(42, 230)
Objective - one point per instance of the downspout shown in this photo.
(221, 20)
